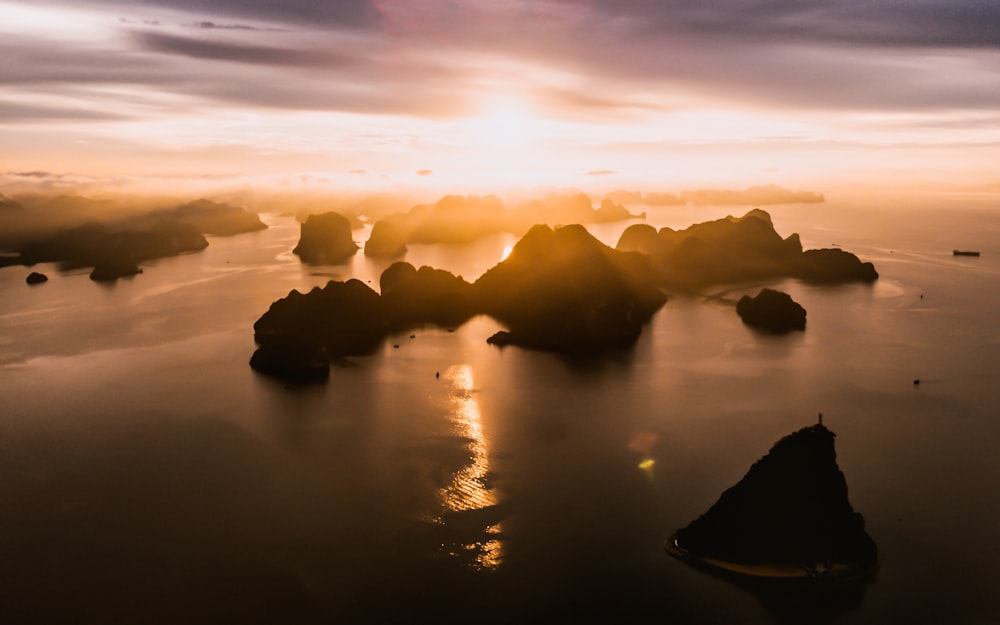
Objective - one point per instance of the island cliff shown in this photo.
(114, 243)
(457, 219)
(113, 254)
(325, 239)
(563, 290)
(558, 290)
(772, 311)
(738, 249)
(788, 517)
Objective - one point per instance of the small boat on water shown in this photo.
(965, 253)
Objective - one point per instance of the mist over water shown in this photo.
(147, 474)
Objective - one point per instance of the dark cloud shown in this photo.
(214, 26)
(33, 62)
(860, 54)
(876, 23)
(336, 13)
(241, 53)
(15, 112)
(273, 76)
(32, 174)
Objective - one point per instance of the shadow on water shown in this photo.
(800, 601)
(586, 364)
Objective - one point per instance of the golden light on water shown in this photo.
(469, 488)
(642, 443)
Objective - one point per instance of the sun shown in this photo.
(505, 122)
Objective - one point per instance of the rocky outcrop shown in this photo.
(788, 517)
(113, 265)
(568, 208)
(36, 278)
(457, 219)
(738, 249)
(752, 196)
(214, 218)
(343, 318)
(387, 240)
(563, 290)
(74, 247)
(559, 290)
(325, 239)
(414, 297)
(772, 311)
(293, 358)
(833, 266)
(113, 254)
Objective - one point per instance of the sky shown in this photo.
(655, 94)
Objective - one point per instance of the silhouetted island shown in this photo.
(415, 297)
(325, 239)
(772, 311)
(760, 195)
(563, 290)
(113, 239)
(214, 218)
(558, 290)
(789, 517)
(386, 240)
(36, 278)
(738, 249)
(113, 254)
(457, 219)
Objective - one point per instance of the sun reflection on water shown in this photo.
(469, 489)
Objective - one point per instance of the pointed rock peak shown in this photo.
(757, 213)
(788, 517)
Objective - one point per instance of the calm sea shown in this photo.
(148, 475)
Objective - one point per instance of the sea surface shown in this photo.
(148, 475)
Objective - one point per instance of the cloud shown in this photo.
(875, 23)
(424, 172)
(32, 174)
(601, 172)
(599, 61)
(241, 53)
(126, 20)
(17, 112)
(214, 26)
(338, 14)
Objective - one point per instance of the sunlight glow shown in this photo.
(469, 489)
(506, 251)
(505, 123)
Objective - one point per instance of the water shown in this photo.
(147, 474)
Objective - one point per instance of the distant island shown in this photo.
(462, 219)
(325, 239)
(738, 249)
(789, 517)
(112, 240)
(761, 195)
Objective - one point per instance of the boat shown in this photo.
(965, 253)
